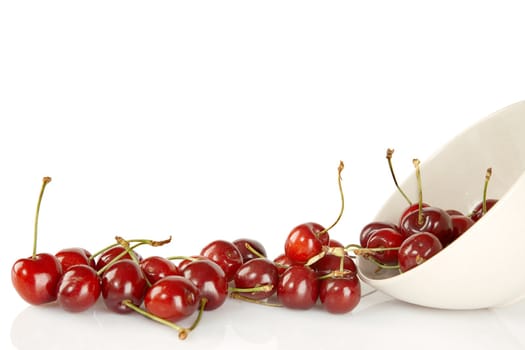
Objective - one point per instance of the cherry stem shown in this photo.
(45, 181)
(262, 288)
(389, 153)
(419, 191)
(364, 251)
(485, 187)
(253, 301)
(339, 180)
(253, 250)
(120, 241)
(129, 250)
(204, 301)
(183, 332)
(380, 265)
(336, 274)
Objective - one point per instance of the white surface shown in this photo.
(209, 120)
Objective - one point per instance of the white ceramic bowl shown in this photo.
(485, 267)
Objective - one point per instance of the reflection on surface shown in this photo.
(378, 319)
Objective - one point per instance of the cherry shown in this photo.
(246, 245)
(369, 228)
(158, 267)
(255, 273)
(302, 243)
(485, 204)
(123, 280)
(330, 263)
(36, 278)
(225, 254)
(74, 256)
(385, 238)
(110, 254)
(460, 224)
(414, 208)
(298, 287)
(211, 281)
(417, 249)
(477, 212)
(453, 212)
(172, 298)
(79, 288)
(435, 221)
(340, 295)
(186, 260)
(282, 262)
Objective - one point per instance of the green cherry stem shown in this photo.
(45, 181)
(339, 182)
(389, 153)
(253, 301)
(261, 288)
(416, 163)
(253, 250)
(485, 187)
(183, 332)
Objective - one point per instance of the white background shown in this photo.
(212, 120)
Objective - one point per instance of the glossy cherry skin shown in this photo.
(111, 254)
(172, 298)
(460, 224)
(36, 279)
(303, 243)
(417, 249)
(79, 288)
(298, 287)
(158, 267)
(330, 263)
(254, 273)
(371, 227)
(74, 256)
(211, 281)
(410, 209)
(477, 212)
(225, 254)
(340, 295)
(435, 221)
(282, 262)
(385, 238)
(123, 280)
(245, 252)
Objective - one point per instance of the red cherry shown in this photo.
(303, 243)
(298, 287)
(460, 224)
(340, 295)
(172, 298)
(158, 267)
(245, 252)
(111, 254)
(330, 263)
(255, 273)
(79, 288)
(385, 238)
(369, 228)
(477, 212)
(74, 256)
(435, 221)
(417, 249)
(211, 281)
(225, 254)
(122, 281)
(411, 209)
(36, 278)
(453, 212)
(282, 262)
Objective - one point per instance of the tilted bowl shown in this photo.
(484, 267)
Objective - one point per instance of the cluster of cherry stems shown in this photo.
(313, 270)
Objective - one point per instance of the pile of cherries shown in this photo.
(170, 289)
(422, 231)
(313, 270)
